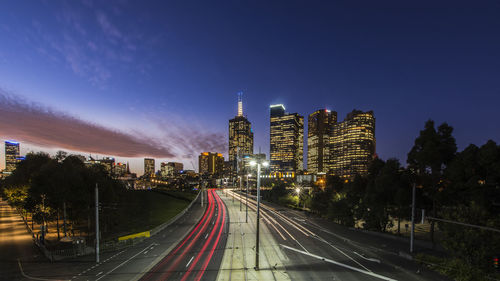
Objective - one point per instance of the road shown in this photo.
(15, 243)
(320, 250)
(198, 256)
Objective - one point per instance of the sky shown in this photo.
(160, 78)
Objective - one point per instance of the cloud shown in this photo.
(42, 126)
(107, 27)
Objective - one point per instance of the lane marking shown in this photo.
(190, 261)
(99, 273)
(368, 259)
(339, 264)
(118, 266)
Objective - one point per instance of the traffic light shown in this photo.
(495, 262)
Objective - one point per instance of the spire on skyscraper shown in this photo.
(240, 103)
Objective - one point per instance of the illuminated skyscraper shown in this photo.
(211, 163)
(149, 167)
(11, 155)
(240, 135)
(319, 128)
(353, 144)
(286, 141)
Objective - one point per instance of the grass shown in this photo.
(141, 211)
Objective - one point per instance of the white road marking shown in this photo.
(99, 273)
(340, 264)
(206, 236)
(29, 277)
(190, 261)
(368, 259)
(118, 266)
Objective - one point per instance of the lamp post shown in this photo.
(246, 200)
(298, 196)
(259, 163)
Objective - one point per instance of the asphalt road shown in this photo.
(15, 243)
(320, 250)
(198, 256)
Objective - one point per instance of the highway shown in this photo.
(318, 250)
(199, 254)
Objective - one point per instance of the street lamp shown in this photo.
(246, 200)
(264, 163)
(298, 196)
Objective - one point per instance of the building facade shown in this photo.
(319, 127)
(211, 163)
(149, 167)
(353, 144)
(11, 155)
(170, 169)
(240, 136)
(286, 141)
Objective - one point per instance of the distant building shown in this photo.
(286, 141)
(11, 155)
(240, 135)
(353, 144)
(107, 162)
(319, 128)
(170, 169)
(149, 167)
(119, 169)
(211, 163)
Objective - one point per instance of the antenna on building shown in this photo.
(240, 103)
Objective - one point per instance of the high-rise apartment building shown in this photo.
(319, 128)
(353, 144)
(149, 167)
(240, 135)
(286, 141)
(211, 163)
(11, 155)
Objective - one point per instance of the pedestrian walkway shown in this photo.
(15, 242)
(239, 257)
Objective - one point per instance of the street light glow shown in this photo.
(265, 163)
(297, 190)
(253, 163)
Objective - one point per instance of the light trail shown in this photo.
(204, 221)
(205, 264)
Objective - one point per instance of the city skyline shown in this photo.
(142, 70)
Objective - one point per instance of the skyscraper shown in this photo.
(319, 128)
(149, 167)
(353, 144)
(211, 163)
(240, 135)
(286, 141)
(11, 155)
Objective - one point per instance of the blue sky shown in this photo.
(161, 70)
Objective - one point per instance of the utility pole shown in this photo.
(258, 217)
(96, 223)
(246, 202)
(201, 190)
(412, 235)
(241, 189)
(64, 217)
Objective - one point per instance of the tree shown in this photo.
(432, 152)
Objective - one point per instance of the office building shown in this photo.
(170, 169)
(240, 136)
(211, 163)
(353, 144)
(286, 141)
(11, 155)
(319, 127)
(119, 169)
(149, 167)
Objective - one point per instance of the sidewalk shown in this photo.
(239, 257)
